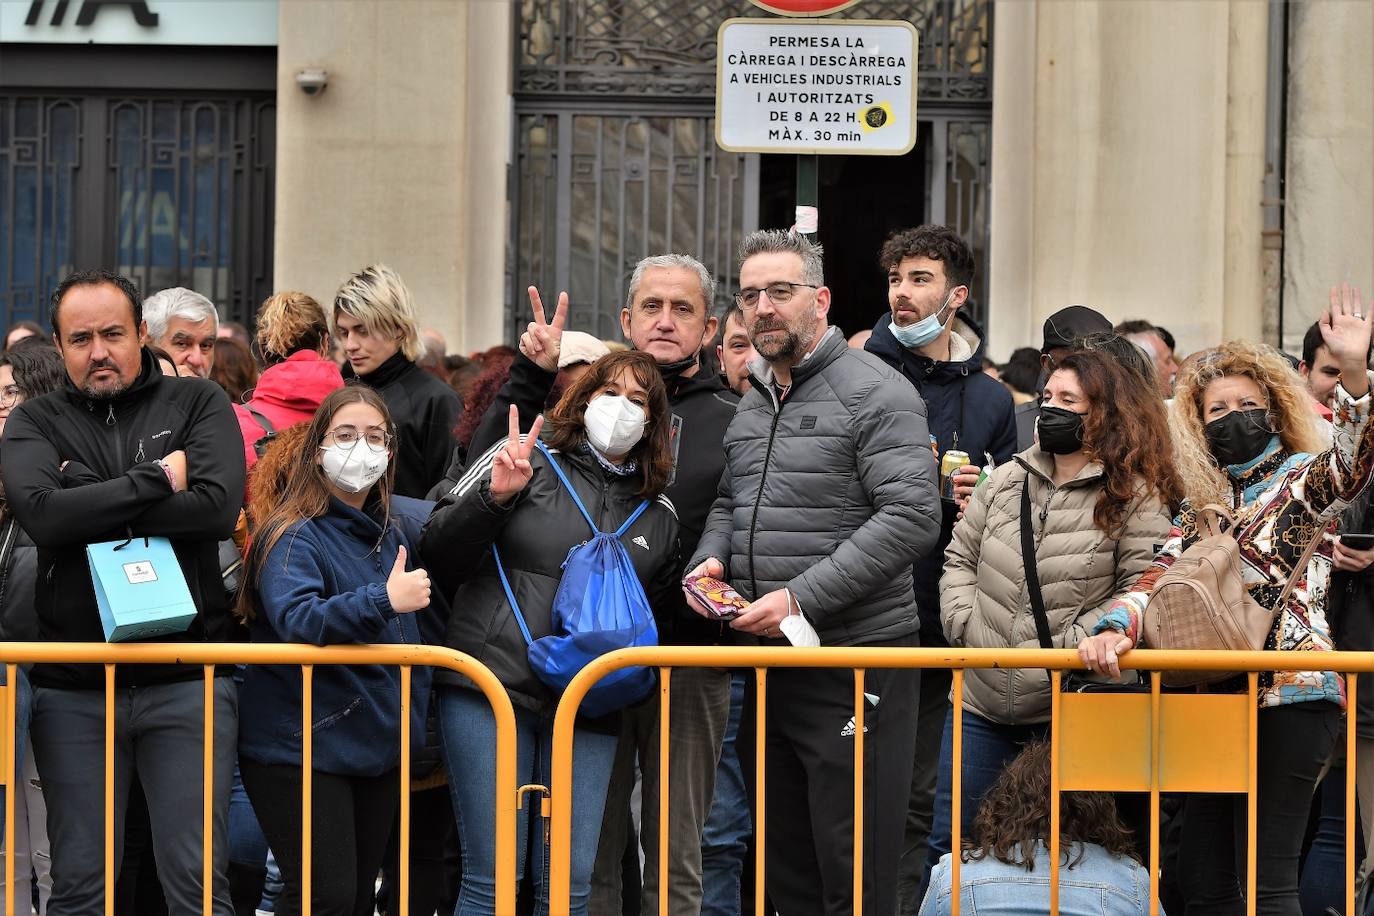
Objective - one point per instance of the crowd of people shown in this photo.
(335, 477)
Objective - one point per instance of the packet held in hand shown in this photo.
(716, 596)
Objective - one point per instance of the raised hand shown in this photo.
(510, 469)
(407, 591)
(1346, 332)
(543, 340)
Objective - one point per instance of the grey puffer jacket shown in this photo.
(984, 603)
(829, 492)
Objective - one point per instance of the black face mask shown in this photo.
(1240, 436)
(671, 372)
(1061, 431)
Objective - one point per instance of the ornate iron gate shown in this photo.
(615, 156)
(168, 190)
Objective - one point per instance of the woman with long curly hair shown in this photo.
(1006, 863)
(1097, 492)
(1244, 438)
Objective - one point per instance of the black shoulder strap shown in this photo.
(1042, 621)
(261, 420)
(9, 535)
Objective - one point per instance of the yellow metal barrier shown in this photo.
(308, 657)
(1153, 742)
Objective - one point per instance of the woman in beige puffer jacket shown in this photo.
(1102, 493)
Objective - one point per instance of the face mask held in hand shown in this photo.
(1061, 431)
(354, 468)
(614, 424)
(1240, 436)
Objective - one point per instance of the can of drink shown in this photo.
(953, 461)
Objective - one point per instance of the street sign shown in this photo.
(803, 7)
(816, 86)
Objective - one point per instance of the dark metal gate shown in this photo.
(166, 189)
(615, 154)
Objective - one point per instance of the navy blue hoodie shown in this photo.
(966, 410)
(324, 583)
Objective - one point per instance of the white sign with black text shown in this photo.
(816, 86)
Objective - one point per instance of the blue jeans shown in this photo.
(724, 839)
(23, 708)
(988, 747)
(468, 729)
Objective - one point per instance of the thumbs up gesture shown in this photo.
(407, 591)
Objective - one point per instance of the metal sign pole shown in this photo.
(808, 188)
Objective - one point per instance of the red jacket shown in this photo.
(288, 393)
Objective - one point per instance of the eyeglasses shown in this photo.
(348, 436)
(10, 395)
(778, 293)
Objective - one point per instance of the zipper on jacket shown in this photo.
(763, 481)
(112, 422)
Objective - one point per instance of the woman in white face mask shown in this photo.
(606, 445)
(329, 566)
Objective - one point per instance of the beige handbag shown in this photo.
(1202, 601)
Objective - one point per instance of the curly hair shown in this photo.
(1204, 481)
(480, 394)
(1015, 815)
(1126, 430)
(938, 243)
(290, 321)
(565, 430)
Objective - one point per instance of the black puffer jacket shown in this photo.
(112, 488)
(424, 411)
(830, 492)
(534, 534)
(18, 576)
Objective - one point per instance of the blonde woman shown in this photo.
(1244, 436)
(374, 319)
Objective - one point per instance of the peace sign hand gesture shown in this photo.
(511, 470)
(1346, 332)
(543, 340)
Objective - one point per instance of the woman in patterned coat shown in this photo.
(1244, 436)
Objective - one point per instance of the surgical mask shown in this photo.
(354, 468)
(614, 424)
(923, 331)
(1240, 436)
(1061, 431)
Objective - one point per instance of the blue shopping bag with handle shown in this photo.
(139, 588)
(600, 606)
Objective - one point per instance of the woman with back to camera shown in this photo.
(1245, 438)
(1097, 491)
(1005, 868)
(609, 435)
(328, 566)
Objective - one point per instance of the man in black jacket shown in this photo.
(374, 319)
(667, 315)
(123, 452)
(940, 351)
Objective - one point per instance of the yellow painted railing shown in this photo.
(208, 656)
(1126, 742)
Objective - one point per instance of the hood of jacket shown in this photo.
(966, 350)
(298, 383)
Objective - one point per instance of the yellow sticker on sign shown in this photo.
(875, 117)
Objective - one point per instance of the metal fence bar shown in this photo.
(956, 809)
(665, 676)
(760, 750)
(1056, 734)
(12, 688)
(1251, 797)
(403, 840)
(1156, 705)
(207, 796)
(859, 729)
(307, 787)
(109, 789)
(1351, 734)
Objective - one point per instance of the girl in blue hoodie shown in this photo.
(328, 566)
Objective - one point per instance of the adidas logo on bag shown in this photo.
(848, 730)
(640, 542)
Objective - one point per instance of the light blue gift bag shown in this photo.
(139, 588)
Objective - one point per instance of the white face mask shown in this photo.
(354, 468)
(614, 424)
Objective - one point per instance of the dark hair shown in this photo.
(1135, 326)
(32, 326)
(1015, 814)
(1168, 338)
(234, 369)
(1123, 431)
(565, 430)
(1126, 352)
(479, 395)
(1022, 371)
(96, 277)
(939, 243)
(1312, 341)
(38, 367)
(160, 355)
(734, 311)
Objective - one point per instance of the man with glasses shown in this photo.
(125, 452)
(827, 499)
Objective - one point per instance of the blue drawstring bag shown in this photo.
(600, 606)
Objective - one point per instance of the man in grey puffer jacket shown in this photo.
(828, 497)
